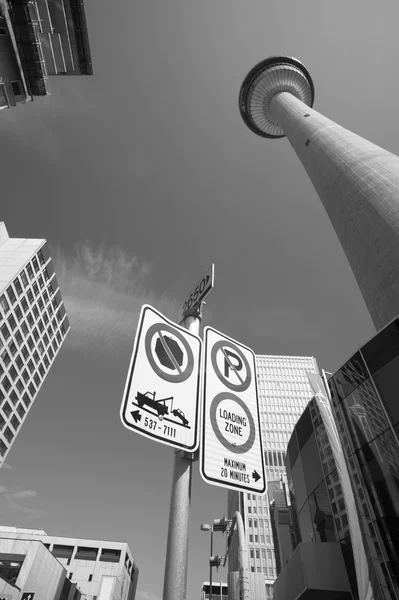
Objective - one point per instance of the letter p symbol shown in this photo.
(231, 362)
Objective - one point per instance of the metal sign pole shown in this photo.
(175, 580)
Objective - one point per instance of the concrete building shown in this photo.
(284, 392)
(38, 39)
(98, 570)
(357, 181)
(33, 326)
(219, 590)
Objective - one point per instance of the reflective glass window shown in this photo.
(365, 416)
(350, 376)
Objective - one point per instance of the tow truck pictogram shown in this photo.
(160, 407)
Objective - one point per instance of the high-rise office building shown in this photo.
(33, 326)
(357, 181)
(284, 392)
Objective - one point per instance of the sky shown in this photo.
(140, 177)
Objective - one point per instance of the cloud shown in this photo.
(9, 507)
(103, 292)
(22, 494)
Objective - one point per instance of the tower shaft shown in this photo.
(358, 184)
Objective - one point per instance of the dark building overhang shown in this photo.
(82, 36)
(315, 570)
(27, 44)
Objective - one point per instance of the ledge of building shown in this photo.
(315, 570)
(82, 36)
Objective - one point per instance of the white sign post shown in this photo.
(231, 455)
(161, 397)
(201, 290)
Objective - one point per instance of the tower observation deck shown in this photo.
(356, 180)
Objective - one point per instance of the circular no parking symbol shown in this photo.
(169, 353)
(242, 448)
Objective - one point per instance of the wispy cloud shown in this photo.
(22, 494)
(103, 291)
(9, 507)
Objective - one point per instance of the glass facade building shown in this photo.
(284, 392)
(33, 326)
(366, 408)
(315, 494)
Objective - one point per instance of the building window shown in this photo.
(26, 399)
(18, 286)
(32, 389)
(6, 383)
(8, 434)
(13, 373)
(21, 411)
(251, 552)
(257, 553)
(30, 271)
(37, 379)
(20, 386)
(2, 423)
(24, 278)
(249, 522)
(18, 313)
(61, 551)
(251, 538)
(86, 553)
(90, 577)
(12, 348)
(31, 343)
(41, 257)
(15, 423)
(7, 409)
(25, 328)
(110, 555)
(14, 397)
(6, 357)
(4, 304)
(11, 295)
(36, 357)
(35, 264)
(5, 331)
(31, 366)
(25, 352)
(3, 448)
(252, 569)
(18, 91)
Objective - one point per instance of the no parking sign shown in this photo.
(161, 398)
(231, 454)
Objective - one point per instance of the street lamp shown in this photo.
(206, 527)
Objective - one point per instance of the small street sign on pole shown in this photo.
(161, 397)
(201, 290)
(231, 455)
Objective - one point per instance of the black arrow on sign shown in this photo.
(136, 415)
(256, 475)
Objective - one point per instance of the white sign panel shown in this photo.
(161, 398)
(201, 290)
(231, 455)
